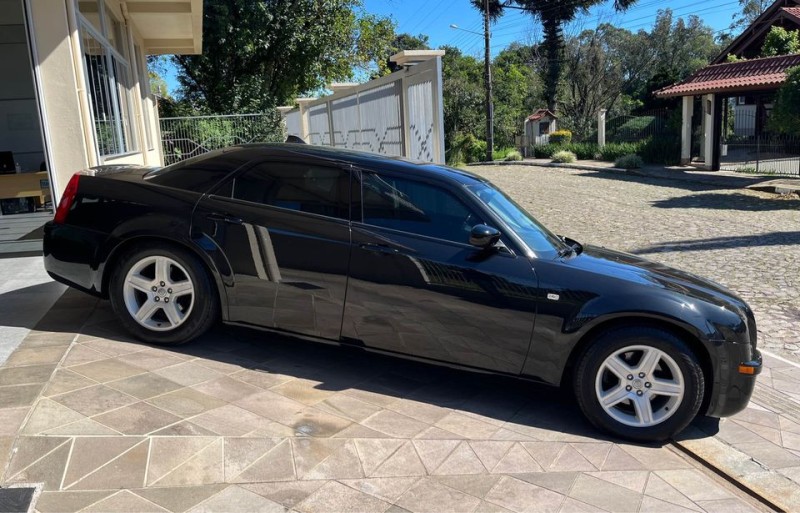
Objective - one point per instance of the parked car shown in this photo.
(411, 259)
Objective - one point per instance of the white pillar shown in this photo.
(686, 130)
(708, 130)
(601, 127)
(304, 105)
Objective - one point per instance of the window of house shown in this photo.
(108, 78)
(303, 187)
(415, 207)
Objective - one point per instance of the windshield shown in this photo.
(533, 234)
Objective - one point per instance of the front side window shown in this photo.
(306, 188)
(532, 232)
(415, 207)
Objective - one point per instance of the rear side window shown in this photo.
(198, 175)
(416, 207)
(309, 188)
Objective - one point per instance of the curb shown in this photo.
(766, 485)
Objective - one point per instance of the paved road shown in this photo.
(746, 240)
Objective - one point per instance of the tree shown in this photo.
(262, 53)
(785, 117)
(780, 41)
(553, 14)
(751, 10)
(618, 70)
(401, 42)
(517, 92)
(462, 91)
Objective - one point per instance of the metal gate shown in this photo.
(748, 146)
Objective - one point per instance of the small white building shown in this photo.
(539, 126)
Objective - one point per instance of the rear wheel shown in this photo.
(643, 384)
(163, 295)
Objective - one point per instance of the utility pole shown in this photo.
(488, 83)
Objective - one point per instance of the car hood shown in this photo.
(646, 272)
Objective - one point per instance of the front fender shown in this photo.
(562, 331)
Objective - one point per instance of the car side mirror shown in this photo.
(483, 236)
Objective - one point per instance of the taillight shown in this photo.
(66, 199)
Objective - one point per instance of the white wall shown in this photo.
(20, 130)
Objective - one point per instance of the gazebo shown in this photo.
(735, 98)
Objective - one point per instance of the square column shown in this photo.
(686, 130)
(709, 112)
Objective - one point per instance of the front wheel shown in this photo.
(163, 295)
(642, 384)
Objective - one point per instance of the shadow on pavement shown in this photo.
(737, 201)
(744, 241)
(530, 407)
(677, 179)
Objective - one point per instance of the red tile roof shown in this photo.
(539, 114)
(792, 11)
(750, 75)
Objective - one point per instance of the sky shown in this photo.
(434, 17)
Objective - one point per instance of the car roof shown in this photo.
(357, 158)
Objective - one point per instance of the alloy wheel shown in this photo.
(158, 293)
(639, 386)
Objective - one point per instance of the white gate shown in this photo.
(399, 114)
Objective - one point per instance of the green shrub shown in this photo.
(513, 155)
(584, 151)
(545, 151)
(500, 153)
(665, 150)
(467, 148)
(564, 157)
(612, 151)
(561, 137)
(629, 162)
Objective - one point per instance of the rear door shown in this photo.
(418, 288)
(283, 226)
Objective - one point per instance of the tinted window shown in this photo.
(415, 207)
(536, 236)
(306, 188)
(199, 174)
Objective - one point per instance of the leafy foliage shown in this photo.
(629, 162)
(553, 15)
(750, 10)
(780, 41)
(786, 114)
(261, 53)
(564, 157)
(561, 137)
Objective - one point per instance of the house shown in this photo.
(726, 105)
(539, 126)
(75, 89)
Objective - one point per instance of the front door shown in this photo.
(418, 288)
(284, 229)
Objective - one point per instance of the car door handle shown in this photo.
(379, 248)
(225, 219)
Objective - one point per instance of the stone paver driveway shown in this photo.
(241, 421)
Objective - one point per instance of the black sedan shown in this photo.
(416, 260)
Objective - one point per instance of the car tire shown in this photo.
(639, 383)
(171, 290)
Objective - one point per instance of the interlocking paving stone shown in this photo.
(291, 425)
